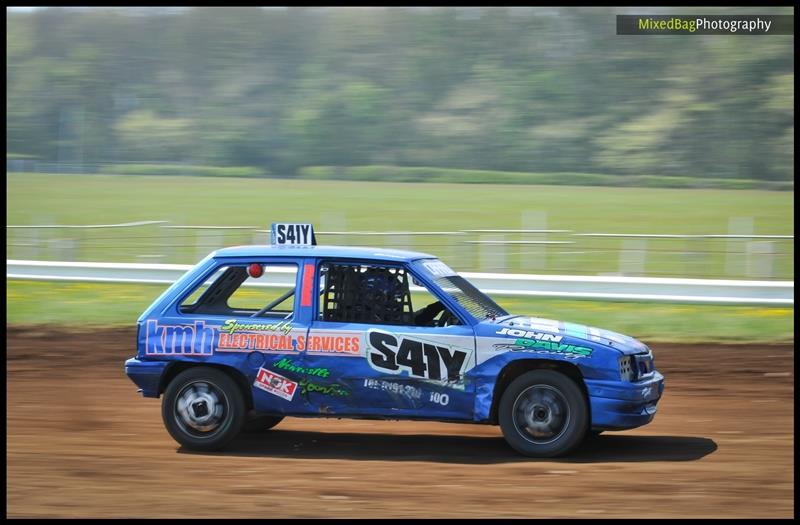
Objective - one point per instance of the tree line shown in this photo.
(504, 89)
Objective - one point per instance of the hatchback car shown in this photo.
(253, 334)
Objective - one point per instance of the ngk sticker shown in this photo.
(275, 384)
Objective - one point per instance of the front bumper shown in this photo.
(146, 375)
(618, 405)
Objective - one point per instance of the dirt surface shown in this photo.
(82, 443)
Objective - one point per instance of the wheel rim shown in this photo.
(541, 414)
(201, 408)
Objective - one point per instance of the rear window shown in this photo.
(236, 290)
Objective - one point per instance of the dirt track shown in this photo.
(82, 443)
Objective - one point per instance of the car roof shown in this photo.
(351, 252)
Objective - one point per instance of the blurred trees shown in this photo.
(544, 89)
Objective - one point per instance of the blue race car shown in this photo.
(252, 334)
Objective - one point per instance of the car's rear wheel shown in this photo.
(543, 413)
(203, 408)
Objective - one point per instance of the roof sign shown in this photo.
(293, 234)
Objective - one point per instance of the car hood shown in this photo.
(623, 343)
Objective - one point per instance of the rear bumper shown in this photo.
(146, 375)
(618, 405)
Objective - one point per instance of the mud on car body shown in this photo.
(252, 334)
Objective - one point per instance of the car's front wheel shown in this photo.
(203, 408)
(543, 413)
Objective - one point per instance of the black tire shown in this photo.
(203, 408)
(543, 414)
(256, 423)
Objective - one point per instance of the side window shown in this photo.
(246, 290)
(376, 294)
(428, 310)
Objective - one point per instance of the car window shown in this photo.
(377, 294)
(191, 300)
(246, 290)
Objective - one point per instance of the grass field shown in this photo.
(372, 206)
(376, 206)
(100, 304)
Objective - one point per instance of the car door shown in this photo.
(365, 355)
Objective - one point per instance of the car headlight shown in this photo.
(636, 367)
(626, 368)
(643, 365)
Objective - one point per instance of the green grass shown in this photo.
(383, 206)
(100, 304)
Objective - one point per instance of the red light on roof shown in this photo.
(255, 270)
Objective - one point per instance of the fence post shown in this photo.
(399, 242)
(34, 241)
(493, 253)
(536, 256)
(333, 221)
(735, 252)
(760, 259)
(694, 256)
(168, 242)
(65, 249)
(208, 241)
(632, 256)
(463, 254)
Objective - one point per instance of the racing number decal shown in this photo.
(387, 352)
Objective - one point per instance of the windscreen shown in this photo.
(478, 304)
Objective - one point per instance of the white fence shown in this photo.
(712, 291)
(739, 254)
